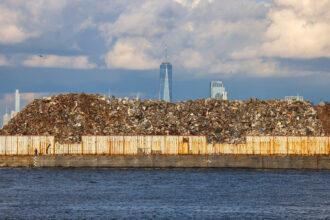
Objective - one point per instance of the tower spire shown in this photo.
(165, 53)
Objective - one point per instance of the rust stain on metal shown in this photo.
(164, 145)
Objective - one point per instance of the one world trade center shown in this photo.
(165, 82)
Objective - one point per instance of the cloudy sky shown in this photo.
(258, 48)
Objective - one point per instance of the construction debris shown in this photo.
(72, 115)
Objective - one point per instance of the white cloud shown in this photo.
(54, 61)
(27, 97)
(131, 54)
(21, 20)
(11, 34)
(197, 32)
(192, 59)
(88, 23)
(9, 97)
(192, 3)
(3, 60)
(202, 36)
(299, 29)
(142, 20)
(259, 67)
(188, 3)
(252, 67)
(10, 30)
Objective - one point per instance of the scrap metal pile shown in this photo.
(72, 115)
(324, 115)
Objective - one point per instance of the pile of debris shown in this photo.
(324, 115)
(72, 115)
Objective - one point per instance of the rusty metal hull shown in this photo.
(165, 145)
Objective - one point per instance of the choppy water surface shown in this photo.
(163, 194)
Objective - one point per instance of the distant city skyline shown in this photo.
(6, 117)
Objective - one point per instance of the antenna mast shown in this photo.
(166, 53)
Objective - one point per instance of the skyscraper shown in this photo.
(5, 118)
(218, 91)
(165, 81)
(13, 114)
(17, 101)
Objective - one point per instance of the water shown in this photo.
(163, 194)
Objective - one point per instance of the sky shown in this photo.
(259, 49)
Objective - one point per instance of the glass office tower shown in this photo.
(165, 82)
(218, 90)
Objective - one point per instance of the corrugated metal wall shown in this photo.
(26, 145)
(164, 145)
(135, 145)
(276, 145)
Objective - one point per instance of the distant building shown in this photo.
(165, 81)
(5, 119)
(290, 99)
(218, 91)
(17, 101)
(12, 114)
